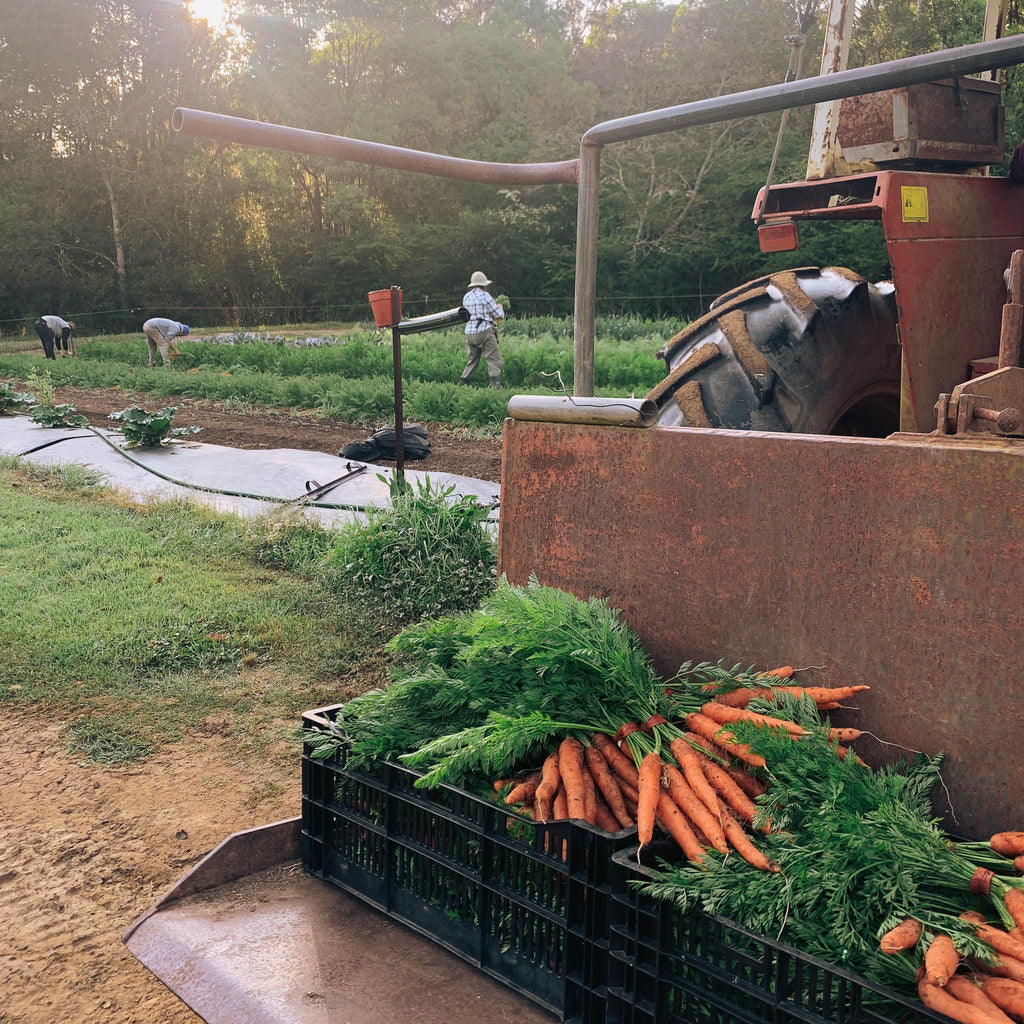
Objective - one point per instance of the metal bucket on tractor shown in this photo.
(829, 475)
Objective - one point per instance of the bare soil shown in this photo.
(83, 850)
(449, 453)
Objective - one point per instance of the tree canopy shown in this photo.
(107, 215)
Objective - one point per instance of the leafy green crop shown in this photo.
(150, 429)
(11, 400)
(57, 416)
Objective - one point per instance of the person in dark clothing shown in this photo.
(56, 332)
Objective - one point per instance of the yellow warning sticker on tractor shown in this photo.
(915, 203)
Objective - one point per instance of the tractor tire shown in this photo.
(810, 351)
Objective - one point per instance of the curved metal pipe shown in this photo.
(615, 412)
(224, 127)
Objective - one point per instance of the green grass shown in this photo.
(352, 382)
(135, 625)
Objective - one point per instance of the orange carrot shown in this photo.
(778, 673)
(821, 694)
(937, 998)
(525, 791)
(689, 762)
(967, 991)
(1014, 901)
(1016, 933)
(570, 768)
(844, 735)
(1009, 844)
(710, 729)
(1004, 966)
(544, 797)
(589, 797)
(605, 782)
(708, 747)
(904, 936)
(1018, 863)
(1007, 994)
(741, 696)
(560, 807)
(675, 824)
(694, 809)
(649, 789)
(604, 818)
(617, 760)
(741, 843)
(1000, 941)
(500, 784)
(940, 960)
(725, 786)
(724, 715)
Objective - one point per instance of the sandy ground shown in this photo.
(84, 851)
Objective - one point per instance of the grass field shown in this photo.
(345, 373)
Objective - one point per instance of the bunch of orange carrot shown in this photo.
(702, 793)
(969, 990)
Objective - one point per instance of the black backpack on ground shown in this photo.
(383, 444)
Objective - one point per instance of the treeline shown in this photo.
(108, 216)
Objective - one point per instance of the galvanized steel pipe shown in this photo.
(620, 412)
(246, 132)
(926, 67)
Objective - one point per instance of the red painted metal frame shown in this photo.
(890, 562)
(948, 269)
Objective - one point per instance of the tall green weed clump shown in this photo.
(423, 556)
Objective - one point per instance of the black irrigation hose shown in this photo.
(198, 487)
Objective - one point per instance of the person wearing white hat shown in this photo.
(481, 329)
(160, 333)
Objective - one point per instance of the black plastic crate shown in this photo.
(668, 966)
(526, 903)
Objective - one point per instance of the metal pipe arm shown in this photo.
(246, 132)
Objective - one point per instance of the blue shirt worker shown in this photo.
(54, 330)
(160, 333)
(481, 330)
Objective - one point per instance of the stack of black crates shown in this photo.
(550, 911)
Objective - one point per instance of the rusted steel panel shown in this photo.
(891, 562)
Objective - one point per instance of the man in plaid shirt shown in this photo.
(481, 334)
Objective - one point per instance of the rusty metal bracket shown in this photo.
(963, 412)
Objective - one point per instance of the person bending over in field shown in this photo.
(55, 332)
(160, 333)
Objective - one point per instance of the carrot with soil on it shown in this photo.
(969, 991)
(904, 936)
(544, 797)
(822, 694)
(617, 760)
(694, 809)
(844, 735)
(604, 817)
(1013, 900)
(729, 791)
(741, 843)
(786, 672)
(570, 768)
(1009, 844)
(1002, 942)
(937, 998)
(941, 960)
(675, 824)
(710, 729)
(525, 791)
(1018, 863)
(1007, 994)
(689, 762)
(604, 779)
(649, 789)
(725, 715)
(560, 805)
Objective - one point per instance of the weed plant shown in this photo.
(424, 555)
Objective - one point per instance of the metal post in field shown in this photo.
(396, 350)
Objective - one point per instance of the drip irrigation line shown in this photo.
(341, 506)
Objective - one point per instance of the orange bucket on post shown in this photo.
(380, 303)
